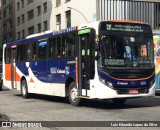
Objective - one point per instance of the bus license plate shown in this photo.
(133, 92)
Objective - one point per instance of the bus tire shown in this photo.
(24, 89)
(73, 95)
(119, 101)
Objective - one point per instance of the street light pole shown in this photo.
(79, 12)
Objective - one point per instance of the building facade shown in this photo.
(8, 20)
(32, 16)
(147, 11)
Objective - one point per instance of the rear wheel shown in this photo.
(119, 101)
(24, 89)
(73, 95)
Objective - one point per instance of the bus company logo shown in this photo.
(53, 70)
(67, 70)
(122, 83)
(143, 83)
(59, 71)
(108, 26)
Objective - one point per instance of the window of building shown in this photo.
(4, 14)
(18, 21)
(45, 7)
(5, 39)
(58, 3)
(68, 18)
(22, 18)
(19, 35)
(67, 0)
(22, 2)
(39, 10)
(30, 14)
(31, 30)
(10, 24)
(58, 21)
(39, 27)
(11, 37)
(45, 25)
(23, 34)
(10, 10)
(30, 1)
(5, 26)
(18, 6)
(4, 2)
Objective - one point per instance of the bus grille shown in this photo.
(126, 91)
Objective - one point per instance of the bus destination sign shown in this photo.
(121, 27)
(125, 27)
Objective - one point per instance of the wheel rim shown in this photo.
(24, 90)
(74, 94)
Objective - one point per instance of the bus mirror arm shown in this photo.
(97, 55)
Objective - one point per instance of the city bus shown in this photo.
(156, 39)
(100, 60)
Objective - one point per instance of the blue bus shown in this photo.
(100, 60)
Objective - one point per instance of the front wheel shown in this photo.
(73, 95)
(24, 89)
(119, 101)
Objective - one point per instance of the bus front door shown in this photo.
(13, 68)
(86, 64)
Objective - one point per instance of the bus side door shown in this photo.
(86, 60)
(13, 67)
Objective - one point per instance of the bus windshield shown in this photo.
(128, 50)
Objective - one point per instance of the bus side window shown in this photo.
(58, 47)
(8, 55)
(42, 50)
(52, 48)
(21, 55)
(70, 47)
(63, 46)
(31, 51)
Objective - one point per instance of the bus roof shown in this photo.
(42, 36)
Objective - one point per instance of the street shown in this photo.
(48, 108)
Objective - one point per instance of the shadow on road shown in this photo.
(103, 104)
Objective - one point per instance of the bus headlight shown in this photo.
(107, 83)
(152, 82)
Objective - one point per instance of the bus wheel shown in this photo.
(119, 101)
(73, 94)
(24, 89)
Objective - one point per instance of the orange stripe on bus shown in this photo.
(126, 21)
(8, 73)
(127, 79)
(76, 70)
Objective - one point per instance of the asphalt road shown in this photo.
(47, 108)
